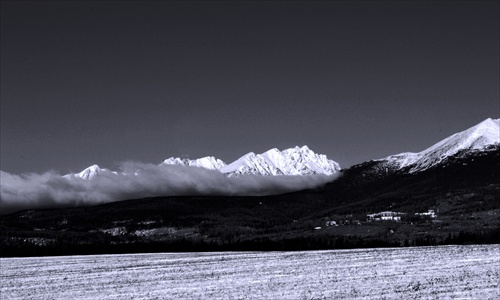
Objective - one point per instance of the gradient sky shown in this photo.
(105, 82)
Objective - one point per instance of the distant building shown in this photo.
(430, 213)
(331, 223)
(386, 216)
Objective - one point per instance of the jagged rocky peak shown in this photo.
(477, 137)
(292, 161)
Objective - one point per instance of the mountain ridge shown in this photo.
(476, 137)
(292, 161)
(304, 161)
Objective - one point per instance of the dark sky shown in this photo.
(104, 82)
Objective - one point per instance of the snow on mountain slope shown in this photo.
(293, 161)
(475, 138)
(208, 162)
(251, 163)
(89, 173)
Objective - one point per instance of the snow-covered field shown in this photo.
(458, 272)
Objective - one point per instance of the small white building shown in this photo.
(386, 216)
(331, 223)
(430, 213)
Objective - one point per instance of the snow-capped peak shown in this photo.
(477, 137)
(86, 174)
(293, 161)
(89, 172)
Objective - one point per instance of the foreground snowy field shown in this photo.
(464, 272)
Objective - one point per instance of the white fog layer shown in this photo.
(139, 180)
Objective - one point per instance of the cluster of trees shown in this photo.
(96, 244)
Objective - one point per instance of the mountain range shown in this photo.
(293, 161)
(304, 161)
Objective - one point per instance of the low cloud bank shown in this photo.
(139, 180)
